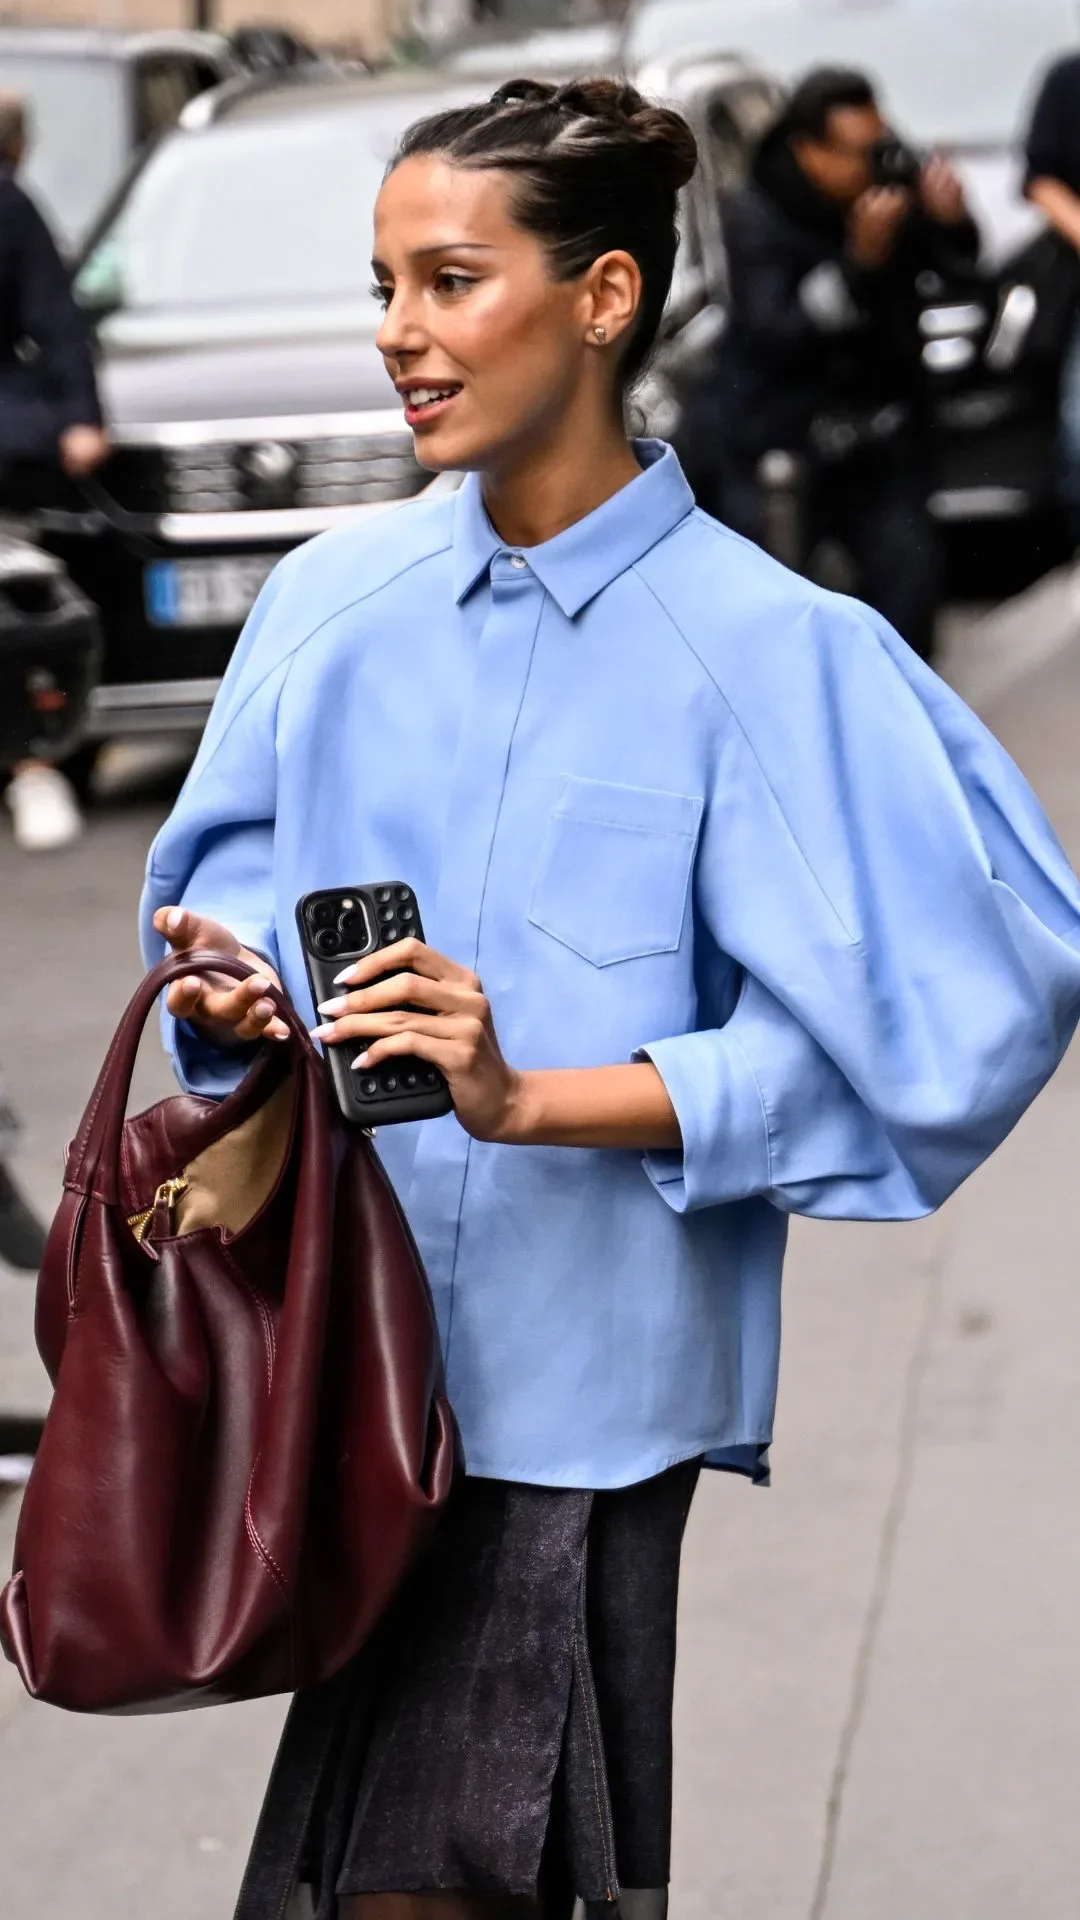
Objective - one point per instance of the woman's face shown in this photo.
(486, 348)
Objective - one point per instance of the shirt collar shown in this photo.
(579, 563)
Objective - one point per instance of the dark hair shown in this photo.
(819, 94)
(598, 169)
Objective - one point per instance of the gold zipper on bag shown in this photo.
(166, 1196)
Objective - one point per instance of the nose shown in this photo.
(400, 332)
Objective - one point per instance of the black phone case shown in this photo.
(396, 1090)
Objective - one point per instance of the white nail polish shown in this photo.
(331, 1006)
(344, 978)
(360, 1061)
(175, 919)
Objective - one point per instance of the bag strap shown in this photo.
(95, 1157)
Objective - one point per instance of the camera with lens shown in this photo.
(337, 925)
(894, 164)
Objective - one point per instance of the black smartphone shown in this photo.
(337, 927)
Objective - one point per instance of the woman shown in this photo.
(766, 922)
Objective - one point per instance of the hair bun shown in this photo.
(621, 109)
(617, 103)
(671, 139)
(524, 93)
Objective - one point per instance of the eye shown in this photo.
(382, 295)
(448, 280)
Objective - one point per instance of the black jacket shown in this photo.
(46, 372)
(809, 331)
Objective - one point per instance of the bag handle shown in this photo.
(95, 1154)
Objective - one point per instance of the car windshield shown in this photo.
(78, 135)
(259, 216)
(956, 71)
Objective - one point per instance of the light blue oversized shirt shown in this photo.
(667, 799)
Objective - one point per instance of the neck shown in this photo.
(550, 488)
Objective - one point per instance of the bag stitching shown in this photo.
(257, 1542)
(266, 1323)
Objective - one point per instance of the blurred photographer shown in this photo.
(1052, 183)
(822, 357)
(49, 413)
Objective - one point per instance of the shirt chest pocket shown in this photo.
(614, 870)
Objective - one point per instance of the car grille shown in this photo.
(230, 477)
(347, 470)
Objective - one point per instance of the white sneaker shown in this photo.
(44, 810)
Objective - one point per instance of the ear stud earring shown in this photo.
(601, 334)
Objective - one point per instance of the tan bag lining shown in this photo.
(232, 1180)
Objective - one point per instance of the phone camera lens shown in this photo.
(353, 925)
(323, 913)
(327, 941)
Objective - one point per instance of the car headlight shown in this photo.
(1015, 319)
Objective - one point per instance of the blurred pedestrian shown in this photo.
(49, 411)
(1052, 182)
(822, 357)
(776, 925)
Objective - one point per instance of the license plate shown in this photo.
(205, 593)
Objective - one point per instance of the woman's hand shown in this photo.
(451, 1028)
(227, 1011)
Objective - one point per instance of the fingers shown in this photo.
(450, 1045)
(388, 1024)
(244, 1011)
(889, 202)
(248, 1009)
(177, 926)
(184, 930)
(409, 990)
(184, 998)
(411, 956)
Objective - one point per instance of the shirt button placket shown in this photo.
(503, 660)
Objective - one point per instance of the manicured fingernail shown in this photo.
(344, 978)
(257, 983)
(332, 1006)
(323, 1033)
(361, 1060)
(279, 1033)
(175, 920)
(192, 983)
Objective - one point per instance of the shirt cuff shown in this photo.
(200, 1066)
(725, 1137)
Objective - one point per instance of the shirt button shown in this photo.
(518, 560)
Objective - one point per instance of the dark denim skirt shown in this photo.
(508, 1729)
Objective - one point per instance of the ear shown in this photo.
(612, 296)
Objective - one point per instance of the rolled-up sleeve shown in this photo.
(907, 931)
(215, 853)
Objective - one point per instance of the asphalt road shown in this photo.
(879, 1697)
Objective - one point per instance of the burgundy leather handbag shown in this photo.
(249, 1439)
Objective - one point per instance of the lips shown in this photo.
(426, 403)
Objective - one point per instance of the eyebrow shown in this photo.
(442, 246)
